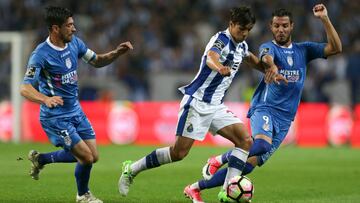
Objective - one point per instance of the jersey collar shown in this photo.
(228, 33)
(54, 46)
(289, 47)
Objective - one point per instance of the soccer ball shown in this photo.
(240, 189)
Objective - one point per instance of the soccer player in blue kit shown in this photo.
(53, 67)
(202, 108)
(273, 107)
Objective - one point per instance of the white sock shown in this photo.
(138, 166)
(163, 155)
(232, 171)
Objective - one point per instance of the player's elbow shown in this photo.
(23, 90)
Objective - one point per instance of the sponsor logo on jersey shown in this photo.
(288, 52)
(65, 54)
(69, 78)
(291, 75)
(68, 63)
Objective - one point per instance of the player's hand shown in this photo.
(225, 71)
(54, 101)
(320, 11)
(270, 74)
(124, 47)
(279, 78)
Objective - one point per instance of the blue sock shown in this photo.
(152, 160)
(225, 157)
(60, 156)
(82, 176)
(247, 169)
(217, 180)
(259, 147)
(219, 177)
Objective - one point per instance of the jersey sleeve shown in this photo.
(219, 44)
(85, 53)
(314, 50)
(266, 49)
(33, 69)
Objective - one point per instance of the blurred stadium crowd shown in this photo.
(170, 36)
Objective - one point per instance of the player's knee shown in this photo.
(95, 158)
(88, 159)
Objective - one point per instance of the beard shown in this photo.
(66, 38)
(282, 40)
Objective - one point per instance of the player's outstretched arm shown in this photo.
(102, 60)
(254, 62)
(212, 61)
(271, 70)
(30, 93)
(333, 45)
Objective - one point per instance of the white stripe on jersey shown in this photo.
(48, 80)
(207, 85)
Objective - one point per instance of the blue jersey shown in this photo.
(54, 70)
(283, 100)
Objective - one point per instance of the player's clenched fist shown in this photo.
(320, 11)
(225, 71)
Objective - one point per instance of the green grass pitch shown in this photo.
(291, 175)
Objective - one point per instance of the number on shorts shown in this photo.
(266, 119)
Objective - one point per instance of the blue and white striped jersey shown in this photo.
(283, 100)
(53, 69)
(209, 85)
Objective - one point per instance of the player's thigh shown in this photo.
(61, 132)
(87, 133)
(261, 123)
(194, 118)
(228, 125)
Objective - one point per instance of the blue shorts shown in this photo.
(263, 122)
(67, 132)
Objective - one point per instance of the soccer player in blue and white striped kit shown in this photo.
(53, 68)
(273, 107)
(202, 108)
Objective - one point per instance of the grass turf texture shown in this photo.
(291, 175)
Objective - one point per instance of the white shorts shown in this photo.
(196, 118)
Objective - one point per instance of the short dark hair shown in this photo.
(242, 15)
(282, 12)
(55, 15)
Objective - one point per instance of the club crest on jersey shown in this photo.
(190, 128)
(68, 63)
(290, 60)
